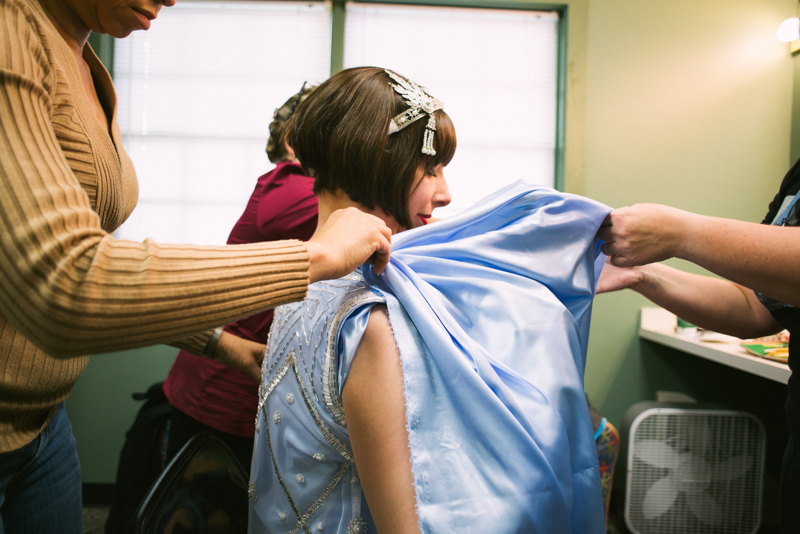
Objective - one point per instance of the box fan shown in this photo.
(692, 470)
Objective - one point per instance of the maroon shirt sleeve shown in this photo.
(291, 211)
(282, 206)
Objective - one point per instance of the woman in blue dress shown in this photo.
(446, 394)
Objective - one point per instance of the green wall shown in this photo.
(102, 410)
(684, 103)
(688, 104)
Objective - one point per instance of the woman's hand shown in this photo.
(614, 278)
(644, 233)
(241, 354)
(349, 238)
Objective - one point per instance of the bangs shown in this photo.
(444, 142)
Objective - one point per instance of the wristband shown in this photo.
(211, 346)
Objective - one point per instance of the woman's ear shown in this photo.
(289, 152)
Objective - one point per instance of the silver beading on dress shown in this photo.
(420, 104)
(299, 395)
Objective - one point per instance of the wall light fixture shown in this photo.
(789, 32)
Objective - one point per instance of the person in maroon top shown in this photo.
(207, 396)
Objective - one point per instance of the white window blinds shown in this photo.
(196, 95)
(495, 70)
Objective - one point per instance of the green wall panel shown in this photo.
(688, 104)
(103, 46)
(102, 410)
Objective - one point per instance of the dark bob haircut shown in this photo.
(340, 134)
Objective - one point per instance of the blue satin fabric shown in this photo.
(490, 310)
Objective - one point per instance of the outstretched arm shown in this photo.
(763, 258)
(711, 303)
(374, 404)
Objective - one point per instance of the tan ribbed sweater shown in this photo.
(67, 287)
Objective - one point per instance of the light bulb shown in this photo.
(789, 30)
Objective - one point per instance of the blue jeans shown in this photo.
(40, 484)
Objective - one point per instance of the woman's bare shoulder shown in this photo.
(378, 335)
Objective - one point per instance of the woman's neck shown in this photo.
(68, 23)
(330, 202)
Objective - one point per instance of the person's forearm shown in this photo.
(116, 295)
(193, 344)
(763, 258)
(710, 303)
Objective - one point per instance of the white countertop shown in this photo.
(658, 325)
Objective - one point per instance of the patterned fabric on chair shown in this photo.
(607, 440)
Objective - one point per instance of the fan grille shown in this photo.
(694, 472)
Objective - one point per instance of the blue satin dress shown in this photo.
(490, 310)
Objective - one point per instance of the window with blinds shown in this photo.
(196, 96)
(197, 92)
(495, 70)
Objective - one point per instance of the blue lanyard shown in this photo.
(781, 218)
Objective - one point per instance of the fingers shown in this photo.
(380, 258)
(606, 231)
(254, 373)
(348, 238)
(602, 284)
(259, 352)
(616, 277)
(621, 261)
(614, 232)
(251, 359)
(241, 354)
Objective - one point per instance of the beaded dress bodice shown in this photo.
(309, 472)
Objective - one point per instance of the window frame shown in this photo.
(104, 48)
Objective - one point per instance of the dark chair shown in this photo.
(203, 490)
(142, 459)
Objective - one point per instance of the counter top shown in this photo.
(658, 325)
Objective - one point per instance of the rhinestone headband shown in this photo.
(420, 104)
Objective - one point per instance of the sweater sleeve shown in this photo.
(68, 285)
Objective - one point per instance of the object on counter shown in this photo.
(686, 329)
(775, 347)
(709, 336)
(778, 352)
(780, 337)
